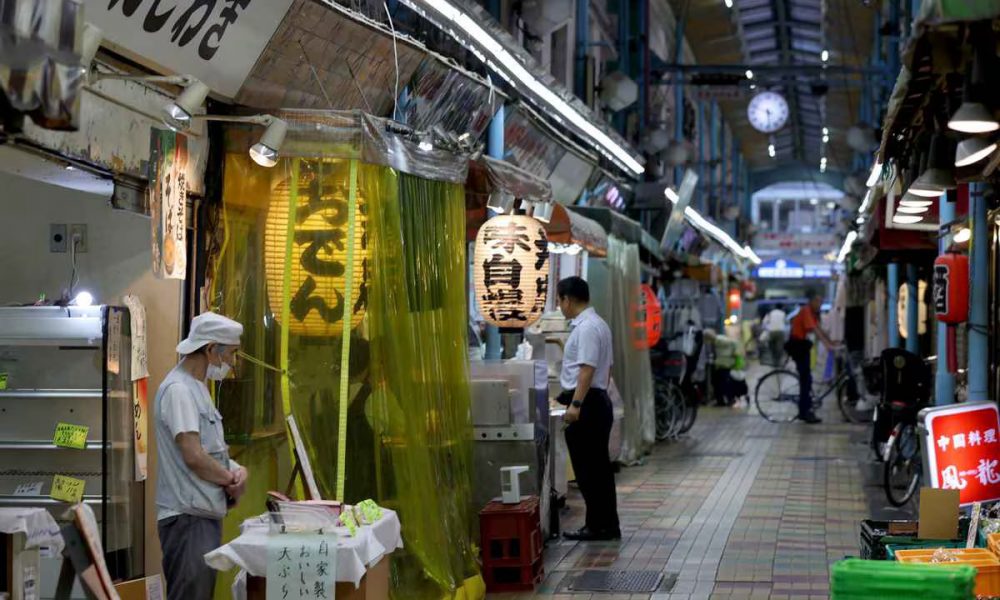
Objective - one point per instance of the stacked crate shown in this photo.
(511, 538)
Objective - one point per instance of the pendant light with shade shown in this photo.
(974, 115)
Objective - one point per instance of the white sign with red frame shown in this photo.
(961, 447)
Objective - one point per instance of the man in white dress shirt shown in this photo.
(585, 376)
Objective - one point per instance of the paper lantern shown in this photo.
(647, 319)
(511, 262)
(319, 250)
(734, 300)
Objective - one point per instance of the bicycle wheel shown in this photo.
(777, 396)
(902, 470)
(667, 410)
(848, 403)
(690, 412)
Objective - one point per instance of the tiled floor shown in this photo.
(738, 509)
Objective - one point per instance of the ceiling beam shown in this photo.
(784, 43)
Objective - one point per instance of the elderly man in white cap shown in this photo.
(196, 479)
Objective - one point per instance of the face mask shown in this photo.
(217, 372)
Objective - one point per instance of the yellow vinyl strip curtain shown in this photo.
(403, 399)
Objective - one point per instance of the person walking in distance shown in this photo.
(805, 324)
(585, 376)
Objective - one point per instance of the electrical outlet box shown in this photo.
(78, 235)
(58, 237)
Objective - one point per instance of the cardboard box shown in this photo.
(147, 588)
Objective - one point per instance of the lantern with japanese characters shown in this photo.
(647, 319)
(319, 260)
(511, 270)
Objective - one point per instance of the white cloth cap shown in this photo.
(210, 328)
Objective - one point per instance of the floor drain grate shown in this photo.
(632, 582)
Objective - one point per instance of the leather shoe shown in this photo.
(586, 534)
(810, 419)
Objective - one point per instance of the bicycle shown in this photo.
(903, 465)
(777, 394)
(676, 402)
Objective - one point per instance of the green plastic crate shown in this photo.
(855, 579)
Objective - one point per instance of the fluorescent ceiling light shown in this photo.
(826, 131)
(875, 174)
(860, 220)
(824, 55)
(712, 230)
(964, 234)
(972, 150)
(770, 150)
(749, 74)
(848, 241)
(729, 3)
(906, 219)
(912, 210)
(752, 255)
(814, 201)
(672, 195)
(866, 202)
(499, 59)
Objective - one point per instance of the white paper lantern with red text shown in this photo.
(511, 270)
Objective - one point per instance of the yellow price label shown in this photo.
(67, 489)
(68, 435)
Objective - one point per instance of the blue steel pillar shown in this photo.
(713, 154)
(912, 311)
(978, 295)
(678, 92)
(701, 154)
(495, 148)
(582, 45)
(893, 276)
(944, 382)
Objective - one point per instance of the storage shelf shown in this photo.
(43, 445)
(51, 394)
(7, 499)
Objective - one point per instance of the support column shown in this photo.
(495, 148)
(713, 154)
(912, 311)
(978, 295)
(678, 93)
(893, 284)
(944, 382)
(701, 202)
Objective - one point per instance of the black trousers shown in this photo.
(587, 440)
(185, 539)
(801, 353)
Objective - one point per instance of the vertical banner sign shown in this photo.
(962, 450)
(168, 159)
(676, 220)
(140, 381)
(217, 41)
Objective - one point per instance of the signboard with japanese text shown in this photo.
(511, 270)
(217, 41)
(301, 565)
(168, 203)
(962, 450)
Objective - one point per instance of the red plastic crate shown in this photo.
(511, 534)
(517, 578)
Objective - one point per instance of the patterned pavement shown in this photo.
(738, 509)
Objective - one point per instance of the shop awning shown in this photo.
(622, 227)
(490, 175)
(569, 227)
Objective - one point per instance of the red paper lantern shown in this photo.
(734, 300)
(648, 323)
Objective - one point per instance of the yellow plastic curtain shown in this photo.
(403, 402)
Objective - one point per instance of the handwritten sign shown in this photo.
(67, 489)
(68, 435)
(29, 489)
(301, 565)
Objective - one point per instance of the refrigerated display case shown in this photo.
(72, 365)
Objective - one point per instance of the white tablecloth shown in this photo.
(354, 554)
(36, 523)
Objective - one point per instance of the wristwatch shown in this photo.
(576, 404)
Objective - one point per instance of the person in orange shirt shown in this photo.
(804, 325)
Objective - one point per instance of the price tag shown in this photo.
(347, 520)
(29, 489)
(3, 381)
(67, 489)
(71, 436)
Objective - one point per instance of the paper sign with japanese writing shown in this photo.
(300, 566)
(217, 41)
(67, 489)
(962, 450)
(68, 435)
(29, 489)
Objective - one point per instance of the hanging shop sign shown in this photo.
(648, 315)
(962, 451)
(792, 243)
(511, 270)
(789, 269)
(168, 159)
(217, 42)
(318, 261)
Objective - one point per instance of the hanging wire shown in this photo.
(395, 56)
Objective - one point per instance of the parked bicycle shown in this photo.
(906, 390)
(676, 396)
(777, 394)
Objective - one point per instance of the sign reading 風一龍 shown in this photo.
(217, 41)
(961, 447)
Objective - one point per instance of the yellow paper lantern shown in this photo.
(511, 270)
(319, 249)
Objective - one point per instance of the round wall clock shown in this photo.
(767, 112)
